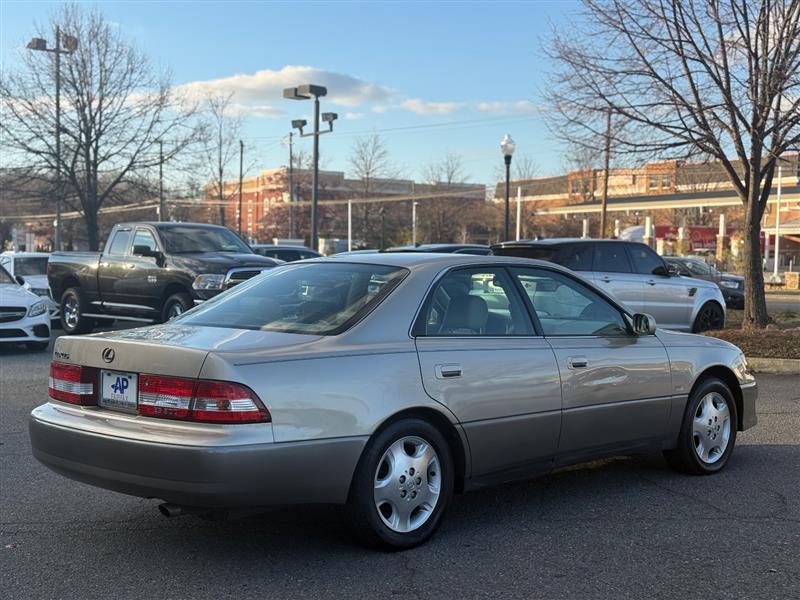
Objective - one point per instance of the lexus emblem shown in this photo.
(108, 355)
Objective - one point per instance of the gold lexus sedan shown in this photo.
(386, 383)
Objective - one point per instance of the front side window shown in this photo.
(566, 307)
(317, 299)
(145, 238)
(610, 257)
(475, 302)
(119, 245)
(183, 239)
(645, 261)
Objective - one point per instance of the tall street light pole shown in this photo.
(307, 92)
(507, 147)
(70, 45)
(241, 181)
(292, 233)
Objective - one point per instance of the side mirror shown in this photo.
(20, 279)
(665, 271)
(644, 324)
(147, 251)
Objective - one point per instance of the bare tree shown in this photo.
(443, 219)
(115, 109)
(371, 165)
(715, 77)
(221, 134)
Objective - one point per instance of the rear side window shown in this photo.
(316, 299)
(645, 261)
(548, 253)
(119, 244)
(577, 257)
(610, 257)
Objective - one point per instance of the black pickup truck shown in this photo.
(149, 272)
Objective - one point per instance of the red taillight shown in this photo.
(168, 397)
(199, 400)
(225, 402)
(72, 383)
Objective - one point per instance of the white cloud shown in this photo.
(255, 110)
(520, 106)
(353, 116)
(252, 92)
(422, 107)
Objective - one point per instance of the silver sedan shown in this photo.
(387, 383)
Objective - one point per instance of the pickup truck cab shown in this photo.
(149, 272)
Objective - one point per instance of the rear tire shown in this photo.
(708, 431)
(402, 486)
(710, 317)
(72, 320)
(175, 305)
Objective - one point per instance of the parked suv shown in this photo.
(731, 286)
(634, 274)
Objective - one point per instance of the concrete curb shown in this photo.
(775, 366)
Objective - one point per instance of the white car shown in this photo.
(32, 268)
(23, 315)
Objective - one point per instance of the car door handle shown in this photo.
(130, 266)
(651, 282)
(605, 279)
(577, 362)
(448, 371)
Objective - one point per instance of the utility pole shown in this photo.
(70, 45)
(241, 177)
(161, 208)
(292, 232)
(315, 178)
(606, 165)
(413, 214)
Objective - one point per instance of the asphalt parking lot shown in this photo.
(623, 528)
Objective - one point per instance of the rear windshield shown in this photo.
(318, 299)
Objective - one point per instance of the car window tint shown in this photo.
(645, 261)
(470, 302)
(311, 298)
(145, 238)
(567, 307)
(548, 253)
(31, 265)
(577, 257)
(698, 269)
(119, 245)
(610, 257)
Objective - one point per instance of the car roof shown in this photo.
(282, 247)
(434, 247)
(24, 254)
(168, 224)
(415, 259)
(555, 241)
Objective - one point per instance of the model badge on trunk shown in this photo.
(108, 355)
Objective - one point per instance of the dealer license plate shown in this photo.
(119, 390)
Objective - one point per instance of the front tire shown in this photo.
(175, 305)
(710, 317)
(708, 431)
(72, 320)
(402, 486)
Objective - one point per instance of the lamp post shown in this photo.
(70, 45)
(307, 92)
(507, 147)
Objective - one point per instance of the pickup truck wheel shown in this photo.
(177, 304)
(72, 319)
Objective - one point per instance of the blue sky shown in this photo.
(400, 68)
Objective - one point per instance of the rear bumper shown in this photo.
(749, 397)
(227, 475)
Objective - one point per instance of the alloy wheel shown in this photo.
(407, 484)
(711, 428)
(71, 312)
